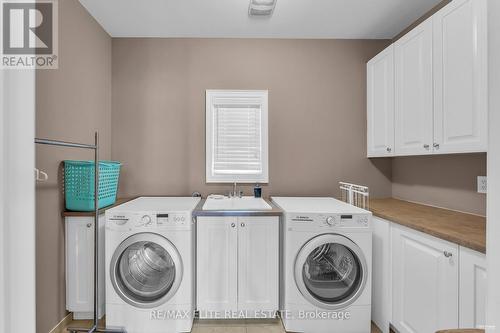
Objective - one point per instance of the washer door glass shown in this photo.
(146, 270)
(330, 271)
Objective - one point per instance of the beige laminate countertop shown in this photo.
(460, 228)
(119, 201)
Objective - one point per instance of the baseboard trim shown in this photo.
(392, 329)
(61, 326)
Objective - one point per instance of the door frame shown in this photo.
(17, 201)
(493, 197)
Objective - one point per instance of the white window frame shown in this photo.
(493, 196)
(243, 97)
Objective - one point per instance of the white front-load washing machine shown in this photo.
(326, 266)
(150, 265)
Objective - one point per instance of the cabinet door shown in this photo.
(460, 77)
(79, 264)
(473, 286)
(414, 102)
(258, 263)
(380, 107)
(381, 268)
(425, 282)
(216, 265)
(79, 245)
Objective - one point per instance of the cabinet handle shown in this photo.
(447, 254)
(426, 146)
(242, 224)
(233, 225)
(89, 225)
(436, 145)
(389, 149)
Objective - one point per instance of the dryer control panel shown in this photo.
(361, 221)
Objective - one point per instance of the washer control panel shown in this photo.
(129, 221)
(172, 219)
(331, 220)
(145, 221)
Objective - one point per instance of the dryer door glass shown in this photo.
(145, 270)
(331, 271)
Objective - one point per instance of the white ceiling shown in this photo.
(357, 19)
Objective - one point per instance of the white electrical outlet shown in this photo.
(482, 184)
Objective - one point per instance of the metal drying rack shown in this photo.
(356, 195)
(95, 148)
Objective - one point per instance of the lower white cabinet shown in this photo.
(216, 261)
(381, 276)
(79, 245)
(473, 290)
(425, 282)
(258, 264)
(237, 266)
(422, 283)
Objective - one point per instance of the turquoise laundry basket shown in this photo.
(79, 185)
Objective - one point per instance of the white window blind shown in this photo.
(237, 136)
(237, 140)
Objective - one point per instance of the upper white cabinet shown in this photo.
(425, 282)
(460, 77)
(413, 112)
(380, 98)
(473, 288)
(440, 86)
(237, 266)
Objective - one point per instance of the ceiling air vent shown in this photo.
(261, 7)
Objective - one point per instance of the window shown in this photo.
(236, 136)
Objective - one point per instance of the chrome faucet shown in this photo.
(234, 193)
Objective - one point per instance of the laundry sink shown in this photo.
(243, 203)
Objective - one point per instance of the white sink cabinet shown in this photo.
(237, 266)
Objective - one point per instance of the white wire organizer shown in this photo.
(356, 195)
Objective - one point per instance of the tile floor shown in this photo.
(244, 326)
(227, 326)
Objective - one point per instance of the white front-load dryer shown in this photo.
(150, 265)
(326, 266)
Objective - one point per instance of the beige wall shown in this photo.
(317, 112)
(71, 103)
(448, 181)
